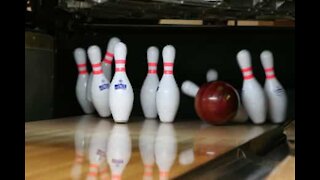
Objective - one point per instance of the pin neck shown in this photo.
(152, 68)
(269, 73)
(82, 68)
(108, 58)
(96, 69)
(167, 68)
(120, 65)
(247, 73)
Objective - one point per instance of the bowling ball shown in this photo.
(216, 102)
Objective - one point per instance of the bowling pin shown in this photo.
(82, 81)
(168, 95)
(253, 97)
(277, 98)
(100, 84)
(190, 88)
(89, 94)
(121, 93)
(98, 148)
(108, 58)
(119, 150)
(212, 75)
(150, 84)
(146, 146)
(165, 149)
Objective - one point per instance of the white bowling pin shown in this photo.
(168, 95)
(150, 85)
(89, 94)
(165, 149)
(190, 88)
(100, 84)
(98, 148)
(121, 92)
(253, 97)
(108, 58)
(82, 81)
(80, 143)
(146, 146)
(277, 98)
(119, 149)
(212, 75)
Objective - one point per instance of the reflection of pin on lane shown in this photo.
(82, 131)
(119, 149)
(146, 146)
(98, 147)
(186, 157)
(108, 58)
(165, 149)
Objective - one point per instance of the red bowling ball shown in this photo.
(216, 102)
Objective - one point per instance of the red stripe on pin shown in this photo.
(96, 65)
(246, 69)
(167, 72)
(147, 174)
(109, 54)
(152, 64)
(92, 174)
(164, 173)
(248, 77)
(168, 64)
(97, 72)
(107, 61)
(120, 69)
(152, 71)
(268, 69)
(116, 176)
(121, 61)
(94, 165)
(83, 72)
(105, 170)
(270, 76)
(82, 65)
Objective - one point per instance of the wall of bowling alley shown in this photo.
(198, 49)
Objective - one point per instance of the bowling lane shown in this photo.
(63, 148)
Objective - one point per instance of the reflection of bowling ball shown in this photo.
(216, 102)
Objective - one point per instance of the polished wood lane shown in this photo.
(58, 148)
